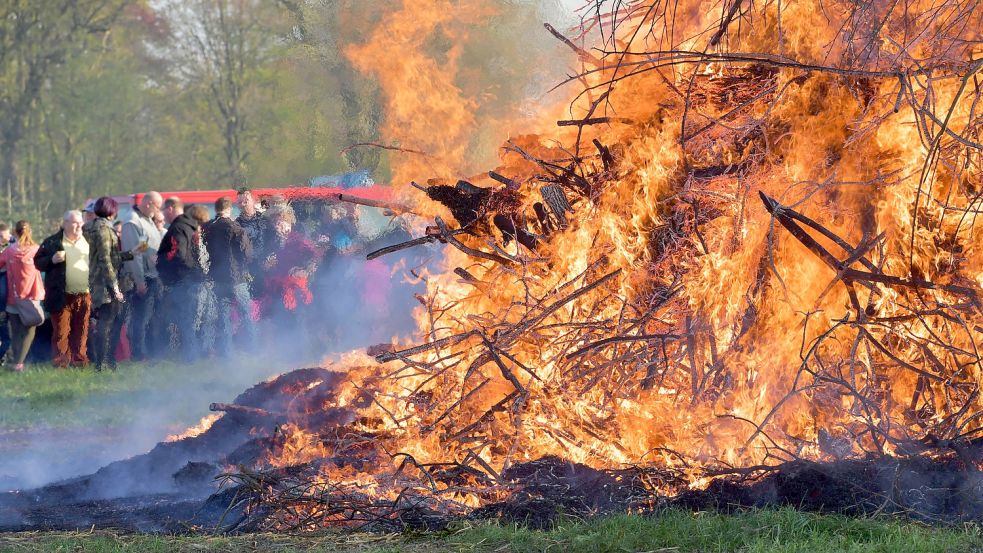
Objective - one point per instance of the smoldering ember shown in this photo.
(732, 263)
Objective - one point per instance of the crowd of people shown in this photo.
(174, 282)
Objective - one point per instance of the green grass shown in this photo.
(45, 396)
(769, 531)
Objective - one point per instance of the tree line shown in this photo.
(116, 96)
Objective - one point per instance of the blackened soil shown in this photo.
(939, 491)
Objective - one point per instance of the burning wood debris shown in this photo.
(741, 250)
(749, 247)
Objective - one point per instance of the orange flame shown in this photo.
(717, 337)
(203, 425)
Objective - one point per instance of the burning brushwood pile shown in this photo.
(745, 252)
(749, 244)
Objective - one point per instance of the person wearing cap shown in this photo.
(88, 214)
(143, 300)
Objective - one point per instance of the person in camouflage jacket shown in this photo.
(105, 262)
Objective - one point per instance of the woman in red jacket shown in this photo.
(23, 282)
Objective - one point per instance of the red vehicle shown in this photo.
(373, 196)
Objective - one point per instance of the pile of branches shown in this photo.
(654, 337)
(536, 493)
(485, 385)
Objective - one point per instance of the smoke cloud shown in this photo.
(355, 304)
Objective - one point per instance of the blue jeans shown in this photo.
(183, 319)
(234, 297)
(206, 317)
(142, 327)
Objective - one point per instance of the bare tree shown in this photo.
(35, 38)
(224, 43)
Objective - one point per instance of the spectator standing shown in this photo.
(206, 311)
(5, 237)
(259, 230)
(287, 298)
(105, 265)
(23, 283)
(290, 264)
(181, 272)
(230, 252)
(200, 214)
(64, 259)
(5, 240)
(89, 218)
(142, 271)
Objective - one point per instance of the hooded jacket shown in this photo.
(229, 251)
(177, 261)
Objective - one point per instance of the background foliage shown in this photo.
(118, 96)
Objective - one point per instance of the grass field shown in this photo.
(783, 531)
(44, 400)
(44, 396)
(93, 418)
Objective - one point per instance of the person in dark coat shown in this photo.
(262, 236)
(181, 273)
(230, 252)
(64, 260)
(6, 239)
(177, 261)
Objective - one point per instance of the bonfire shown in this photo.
(743, 249)
(749, 241)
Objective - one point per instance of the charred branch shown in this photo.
(584, 55)
(591, 121)
(246, 410)
(466, 202)
(512, 231)
(390, 206)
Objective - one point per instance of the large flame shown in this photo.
(672, 321)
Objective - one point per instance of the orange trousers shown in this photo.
(70, 331)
